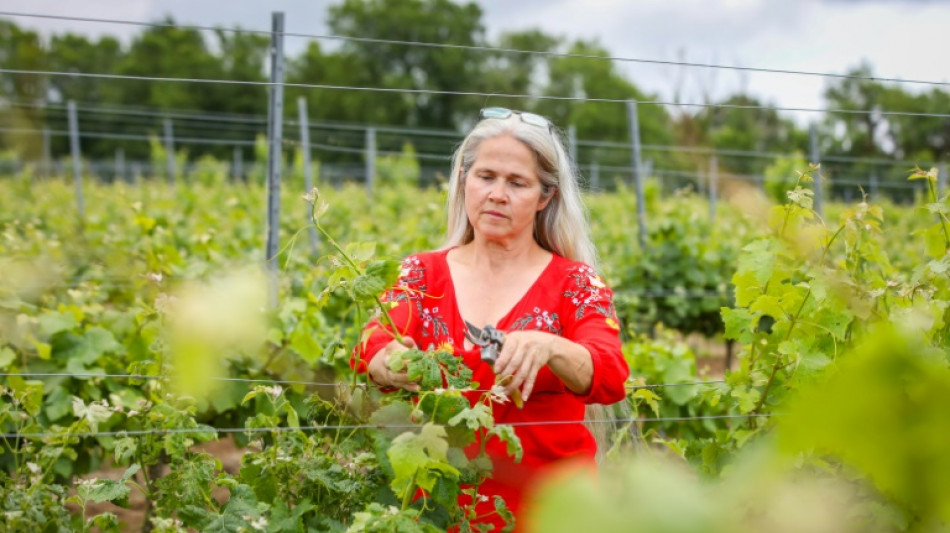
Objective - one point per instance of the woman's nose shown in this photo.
(496, 192)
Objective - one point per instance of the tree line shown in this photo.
(182, 52)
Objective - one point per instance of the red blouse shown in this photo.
(568, 299)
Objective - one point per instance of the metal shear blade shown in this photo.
(489, 339)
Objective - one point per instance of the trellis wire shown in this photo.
(630, 386)
(479, 48)
(454, 136)
(210, 429)
(879, 112)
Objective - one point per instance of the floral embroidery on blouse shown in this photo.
(540, 320)
(410, 286)
(410, 289)
(589, 292)
(433, 324)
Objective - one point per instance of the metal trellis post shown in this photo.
(275, 115)
(572, 144)
(307, 168)
(77, 158)
(119, 170)
(47, 170)
(169, 150)
(713, 186)
(816, 159)
(237, 172)
(370, 160)
(942, 180)
(637, 172)
(594, 176)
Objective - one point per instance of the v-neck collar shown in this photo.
(504, 321)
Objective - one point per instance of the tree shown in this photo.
(414, 67)
(76, 53)
(516, 73)
(243, 56)
(873, 134)
(745, 123)
(580, 78)
(21, 50)
(862, 134)
(170, 52)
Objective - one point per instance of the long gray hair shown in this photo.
(562, 226)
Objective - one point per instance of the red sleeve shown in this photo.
(591, 321)
(405, 297)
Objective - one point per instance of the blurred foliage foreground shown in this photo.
(154, 335)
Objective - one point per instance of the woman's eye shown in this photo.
(517, 184)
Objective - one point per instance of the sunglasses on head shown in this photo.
(528, 118)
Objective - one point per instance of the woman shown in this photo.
(519, 257)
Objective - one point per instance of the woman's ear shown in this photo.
(547, 193)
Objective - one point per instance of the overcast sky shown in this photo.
(907, 39)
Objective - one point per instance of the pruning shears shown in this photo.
(490, 341)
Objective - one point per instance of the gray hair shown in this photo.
(562, 226)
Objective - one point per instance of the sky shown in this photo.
(905, 39)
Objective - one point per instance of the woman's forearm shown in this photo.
(573, 364)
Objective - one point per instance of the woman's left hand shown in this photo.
(522, 356)
(525, 353)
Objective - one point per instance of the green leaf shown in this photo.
(361, 251)
(938, 208)
(303, 341)
(58, 404)
(650, 398)
(43, 350)
(443, 406)
(740, 324)
(758, 257)
(283, 518)
(474, 418)
(936, 241)
(105, 522)
(106, 490)
(250, 396)
(747, 397)
(420, 458)
(510, 438)
(366, 287)
(86, 352)
(747, 288)
(768, 305)
(7, 356)
(54, 322)
(292, 419)
(379, 276)
(30, 393)
(386, 270)
(125, 449)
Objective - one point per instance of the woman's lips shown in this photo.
(495, 214)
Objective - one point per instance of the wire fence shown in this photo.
(444, 92)
(326, 427)
(489, 49)
(331, 427)
(436, 146)
(94, 375)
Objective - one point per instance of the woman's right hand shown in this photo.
(379, 370)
